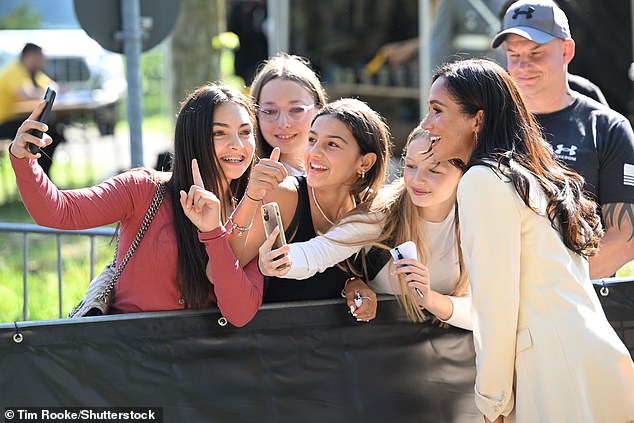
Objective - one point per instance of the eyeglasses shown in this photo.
(272, 114)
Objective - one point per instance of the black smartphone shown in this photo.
(49, 98)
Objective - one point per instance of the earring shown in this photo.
(361, 174)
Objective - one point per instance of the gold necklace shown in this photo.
(312, 190)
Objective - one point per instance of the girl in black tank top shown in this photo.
(325, 285)
(346, 159)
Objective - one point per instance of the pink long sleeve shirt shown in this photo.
(148, 282)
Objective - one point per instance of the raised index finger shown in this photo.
(198, 180)
(35, 114)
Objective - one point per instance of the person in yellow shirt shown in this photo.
(22, 85)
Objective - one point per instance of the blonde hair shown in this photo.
(403, 221)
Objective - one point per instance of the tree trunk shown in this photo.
(193, 59)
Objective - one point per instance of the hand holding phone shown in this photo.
(49, 98)
(272, 219)
(406, 250)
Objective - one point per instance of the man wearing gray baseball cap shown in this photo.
(589, 137)
(540, 22)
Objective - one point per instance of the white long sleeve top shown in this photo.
(321, 252)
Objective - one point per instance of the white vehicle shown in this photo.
(91, 80)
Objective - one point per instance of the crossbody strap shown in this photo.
(149, 215)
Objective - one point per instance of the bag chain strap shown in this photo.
(149, 215)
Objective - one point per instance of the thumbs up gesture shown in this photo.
(266, 176)
(200, 206)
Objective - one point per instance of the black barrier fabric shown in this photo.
(301, 362)
(292, 363)
(617, 299)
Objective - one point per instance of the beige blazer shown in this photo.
(545, 350)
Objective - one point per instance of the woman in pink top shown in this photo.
(184, 260)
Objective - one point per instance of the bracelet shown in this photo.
(241, 229)
(345, 285)
(261, 200)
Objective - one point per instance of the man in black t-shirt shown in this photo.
(591, 138)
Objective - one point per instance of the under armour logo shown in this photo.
(528, 13)
(570, 151)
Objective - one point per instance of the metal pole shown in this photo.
(92, 258)
(25, 276)
(59, 273)
(424, 52)
(278, 29)
(131, 19)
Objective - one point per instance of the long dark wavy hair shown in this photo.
(193, 139)
(509, 132)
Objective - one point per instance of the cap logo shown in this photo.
(528, 12)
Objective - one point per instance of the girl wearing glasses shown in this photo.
(346, 158)
(288, 95)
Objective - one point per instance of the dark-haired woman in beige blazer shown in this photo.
(545, 350)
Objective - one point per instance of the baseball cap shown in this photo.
(537, 20)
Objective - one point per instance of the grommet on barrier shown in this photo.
(17, 336)
(604, 291)
(222, 321)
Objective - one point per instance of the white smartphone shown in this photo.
(272, 219)
(406, 250)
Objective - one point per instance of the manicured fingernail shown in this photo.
(352, 310)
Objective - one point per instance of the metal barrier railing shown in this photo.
(27, 229)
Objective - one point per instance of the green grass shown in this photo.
(152, 124)
(42, 281)
(626, 271)
(42, 285)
